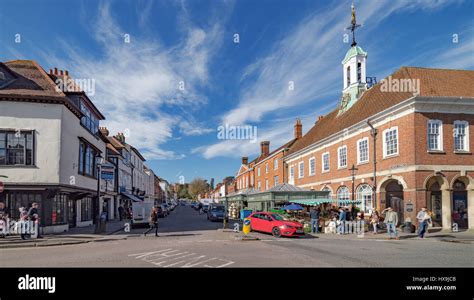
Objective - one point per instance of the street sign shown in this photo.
(107, 175)
(1, 187)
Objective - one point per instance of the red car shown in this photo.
(274, 224)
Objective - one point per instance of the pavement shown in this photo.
(187, 239)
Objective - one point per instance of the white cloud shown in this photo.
(305, 56)
(134, 81)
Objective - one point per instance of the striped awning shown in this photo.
(312, 201)
(346, 202)
(321, 201)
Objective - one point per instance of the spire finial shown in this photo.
(354, 25)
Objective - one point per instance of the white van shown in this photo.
(141, 212)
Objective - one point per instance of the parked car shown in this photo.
(275, 224)
(216, 212)
(161, 212)
(166, 208)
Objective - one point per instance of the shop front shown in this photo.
(59, 208)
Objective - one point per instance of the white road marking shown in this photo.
(184, 259)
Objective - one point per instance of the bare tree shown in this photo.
(197, 186)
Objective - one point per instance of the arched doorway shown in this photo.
(459, 212)
(434, 203)
(394, 198)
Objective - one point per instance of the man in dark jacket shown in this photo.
(33, 215)
(314, 215)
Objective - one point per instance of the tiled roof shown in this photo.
(29, 79)
(116, 143)
(25, 80)
(263, 157)
(433, 83)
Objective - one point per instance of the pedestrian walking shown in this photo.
(314, 215)
(200, 208)
(33, 215)
(342, 221)
(121, 212)
(374, 220)
(391, 220)
(153, 221)
(424, 219)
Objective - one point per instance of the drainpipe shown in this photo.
(373, 133)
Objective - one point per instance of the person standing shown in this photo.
(23, 223)
(423, 221)
(153, 221)
(342, 221)
(3, 210)
(33, 215)
(314, 215)
(374, 220)
(391, 220)
(121, 212)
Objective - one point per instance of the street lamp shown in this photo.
(353, 170)
(373, 133)
(99, 160)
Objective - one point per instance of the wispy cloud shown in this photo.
(136, 80)
(305, 59)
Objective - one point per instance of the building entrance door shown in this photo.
(394, 198)
(71, 213)
(459, 213)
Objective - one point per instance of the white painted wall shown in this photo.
(71, 130)
(45, 119)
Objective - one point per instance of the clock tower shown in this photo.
(353, 64)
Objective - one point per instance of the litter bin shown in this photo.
(244, 213)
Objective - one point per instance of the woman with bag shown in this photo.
(374, 220)
(153, 221)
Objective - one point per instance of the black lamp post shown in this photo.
(373, 133)
(353, 170)
(98, 161)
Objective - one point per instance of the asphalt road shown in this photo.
(188, 239)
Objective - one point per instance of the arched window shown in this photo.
(364, 195)
(348, 76)
(342, 195)
(327, 189)
(359, 72)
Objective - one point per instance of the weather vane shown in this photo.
(354, 25)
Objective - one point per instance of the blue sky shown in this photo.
(246, 83)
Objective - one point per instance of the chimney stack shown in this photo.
(55, 71)
(265, 148)
(104, 131)
(245, 160)
(120, 137)
(61, 72)
(319, 119)
(66, 72)
(50, 71)
(298, 129)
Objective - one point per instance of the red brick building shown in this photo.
(423, 143)
(268, 169)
